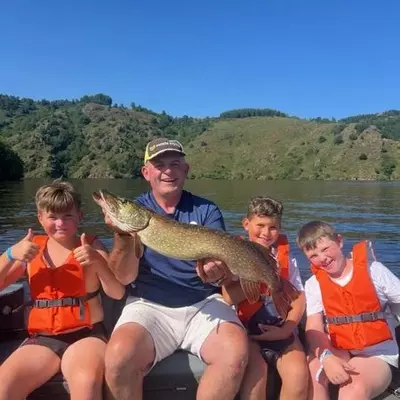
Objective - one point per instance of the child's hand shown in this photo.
(271, 333)
(25, 250)
(337, 370)
(85, 253)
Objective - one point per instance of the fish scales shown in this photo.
(251, 262)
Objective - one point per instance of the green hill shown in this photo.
(88, 138)
(92, 138)
(285, 148)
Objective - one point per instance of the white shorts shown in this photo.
(178, 328)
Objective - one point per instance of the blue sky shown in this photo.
(307, 58)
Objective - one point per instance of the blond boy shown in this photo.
(350, 334)
(65, 272)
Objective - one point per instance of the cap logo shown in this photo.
(159, 146)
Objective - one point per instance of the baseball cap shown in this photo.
(162, 145)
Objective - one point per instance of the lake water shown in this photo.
(359, 210)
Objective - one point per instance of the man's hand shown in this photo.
(85, 254)
(271, 333)
(25, 250)
(212, 271)
(337, 370)
(111, 224)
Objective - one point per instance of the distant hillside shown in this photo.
(283, 148)
(92, 138)
(87, 138)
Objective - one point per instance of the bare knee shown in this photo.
(295, 379)
(86, 383)
(233, 355)
(122, 357)
(128, 354)
(356, 389)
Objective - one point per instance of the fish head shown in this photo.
(125, 215)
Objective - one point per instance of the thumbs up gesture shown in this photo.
(85, 253)
(25, 250)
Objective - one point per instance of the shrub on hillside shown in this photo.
(353, 136)
(338, 139)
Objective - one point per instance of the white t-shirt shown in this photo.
(294, 273)
(387, 287)
(294, 279)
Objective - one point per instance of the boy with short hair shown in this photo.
(276, 338)
(357, 345)
(65, 326)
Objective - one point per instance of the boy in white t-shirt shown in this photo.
(273, 338)
(349, 329)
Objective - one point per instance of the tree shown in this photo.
(11, 165)
(99, 98)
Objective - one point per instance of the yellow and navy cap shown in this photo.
(162, 145)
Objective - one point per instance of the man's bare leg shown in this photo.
(225, 351)
(129, 354)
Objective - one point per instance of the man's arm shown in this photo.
(111, 285)
(124, 258)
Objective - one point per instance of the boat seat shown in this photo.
(174, 378)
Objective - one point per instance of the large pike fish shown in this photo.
(251, 262)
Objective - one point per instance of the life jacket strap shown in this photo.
(66, 302)
(349, 319)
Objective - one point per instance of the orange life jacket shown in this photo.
(59, 297)
(246, 310)
(353, 312)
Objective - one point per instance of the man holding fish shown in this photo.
(172, 303)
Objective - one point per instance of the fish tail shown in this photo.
(283, 298)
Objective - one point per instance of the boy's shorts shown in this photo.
(178, 328)
(59, 343)
(271, 350)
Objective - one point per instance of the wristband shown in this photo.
(9, 254)
(323, 355)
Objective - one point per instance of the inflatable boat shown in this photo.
(175, 378)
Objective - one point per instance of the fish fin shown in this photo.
(283, 298)
(251, 290)
(272, 260)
